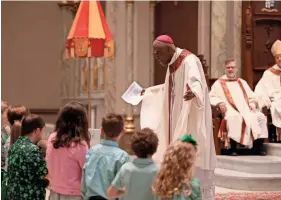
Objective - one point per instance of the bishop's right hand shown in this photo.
(222, 107)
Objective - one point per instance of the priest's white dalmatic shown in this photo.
(243, 125)
(268, 91)
(166, 112)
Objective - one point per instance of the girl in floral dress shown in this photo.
(14, 114)
(5, 132)
(26, 166)
(174, 180)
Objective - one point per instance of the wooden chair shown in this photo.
(272, 133)
(205, 67)
(217, 117)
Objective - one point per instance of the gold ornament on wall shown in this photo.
(269, 6)
(70, 5)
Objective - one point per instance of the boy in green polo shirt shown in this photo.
(135, 178)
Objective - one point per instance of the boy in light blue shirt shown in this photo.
(104, 160)
(134, 180)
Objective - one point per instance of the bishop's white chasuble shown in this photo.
(165, 111)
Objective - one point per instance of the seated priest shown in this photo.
(242, 122)
(268, 89)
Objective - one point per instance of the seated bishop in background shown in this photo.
(268, 88)
(243, 122)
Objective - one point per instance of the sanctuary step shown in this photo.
(273, 149)
(221, 190)
(249, 173)
(251, 164)
(240, 151)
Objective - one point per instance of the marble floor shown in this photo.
(218, 190)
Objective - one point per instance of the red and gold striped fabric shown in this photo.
(89, 33)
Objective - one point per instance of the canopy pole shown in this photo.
(89, 93)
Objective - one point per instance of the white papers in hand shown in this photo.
(133, 94)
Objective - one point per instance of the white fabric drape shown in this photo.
(268, 90)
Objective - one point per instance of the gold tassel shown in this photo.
(89, 51)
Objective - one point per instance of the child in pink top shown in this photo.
(66, 151)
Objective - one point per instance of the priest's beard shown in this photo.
(231, 77)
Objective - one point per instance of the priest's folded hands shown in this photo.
(222, 107)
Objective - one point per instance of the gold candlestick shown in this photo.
(125, 140)
(129, 125)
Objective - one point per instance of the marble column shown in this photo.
(237, 37)
(151, 39)
(68, 66)
(110, 68)
(129, 48)
(233, 32)
(204, 30)
(226, 24)
(124, 141)
(218, 37)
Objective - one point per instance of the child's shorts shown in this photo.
(57, 196)
(98, 198)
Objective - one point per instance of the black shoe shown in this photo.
(234, 154)
(262, 153)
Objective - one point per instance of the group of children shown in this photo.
(72, 170)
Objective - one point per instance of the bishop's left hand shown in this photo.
(188, 95)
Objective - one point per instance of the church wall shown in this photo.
(32, 41)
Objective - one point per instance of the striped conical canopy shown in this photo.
(89, 32)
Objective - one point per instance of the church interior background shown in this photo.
(217, 30)
(44, 80)
(35, 73)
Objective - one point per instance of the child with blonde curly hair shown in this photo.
(174, 180)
